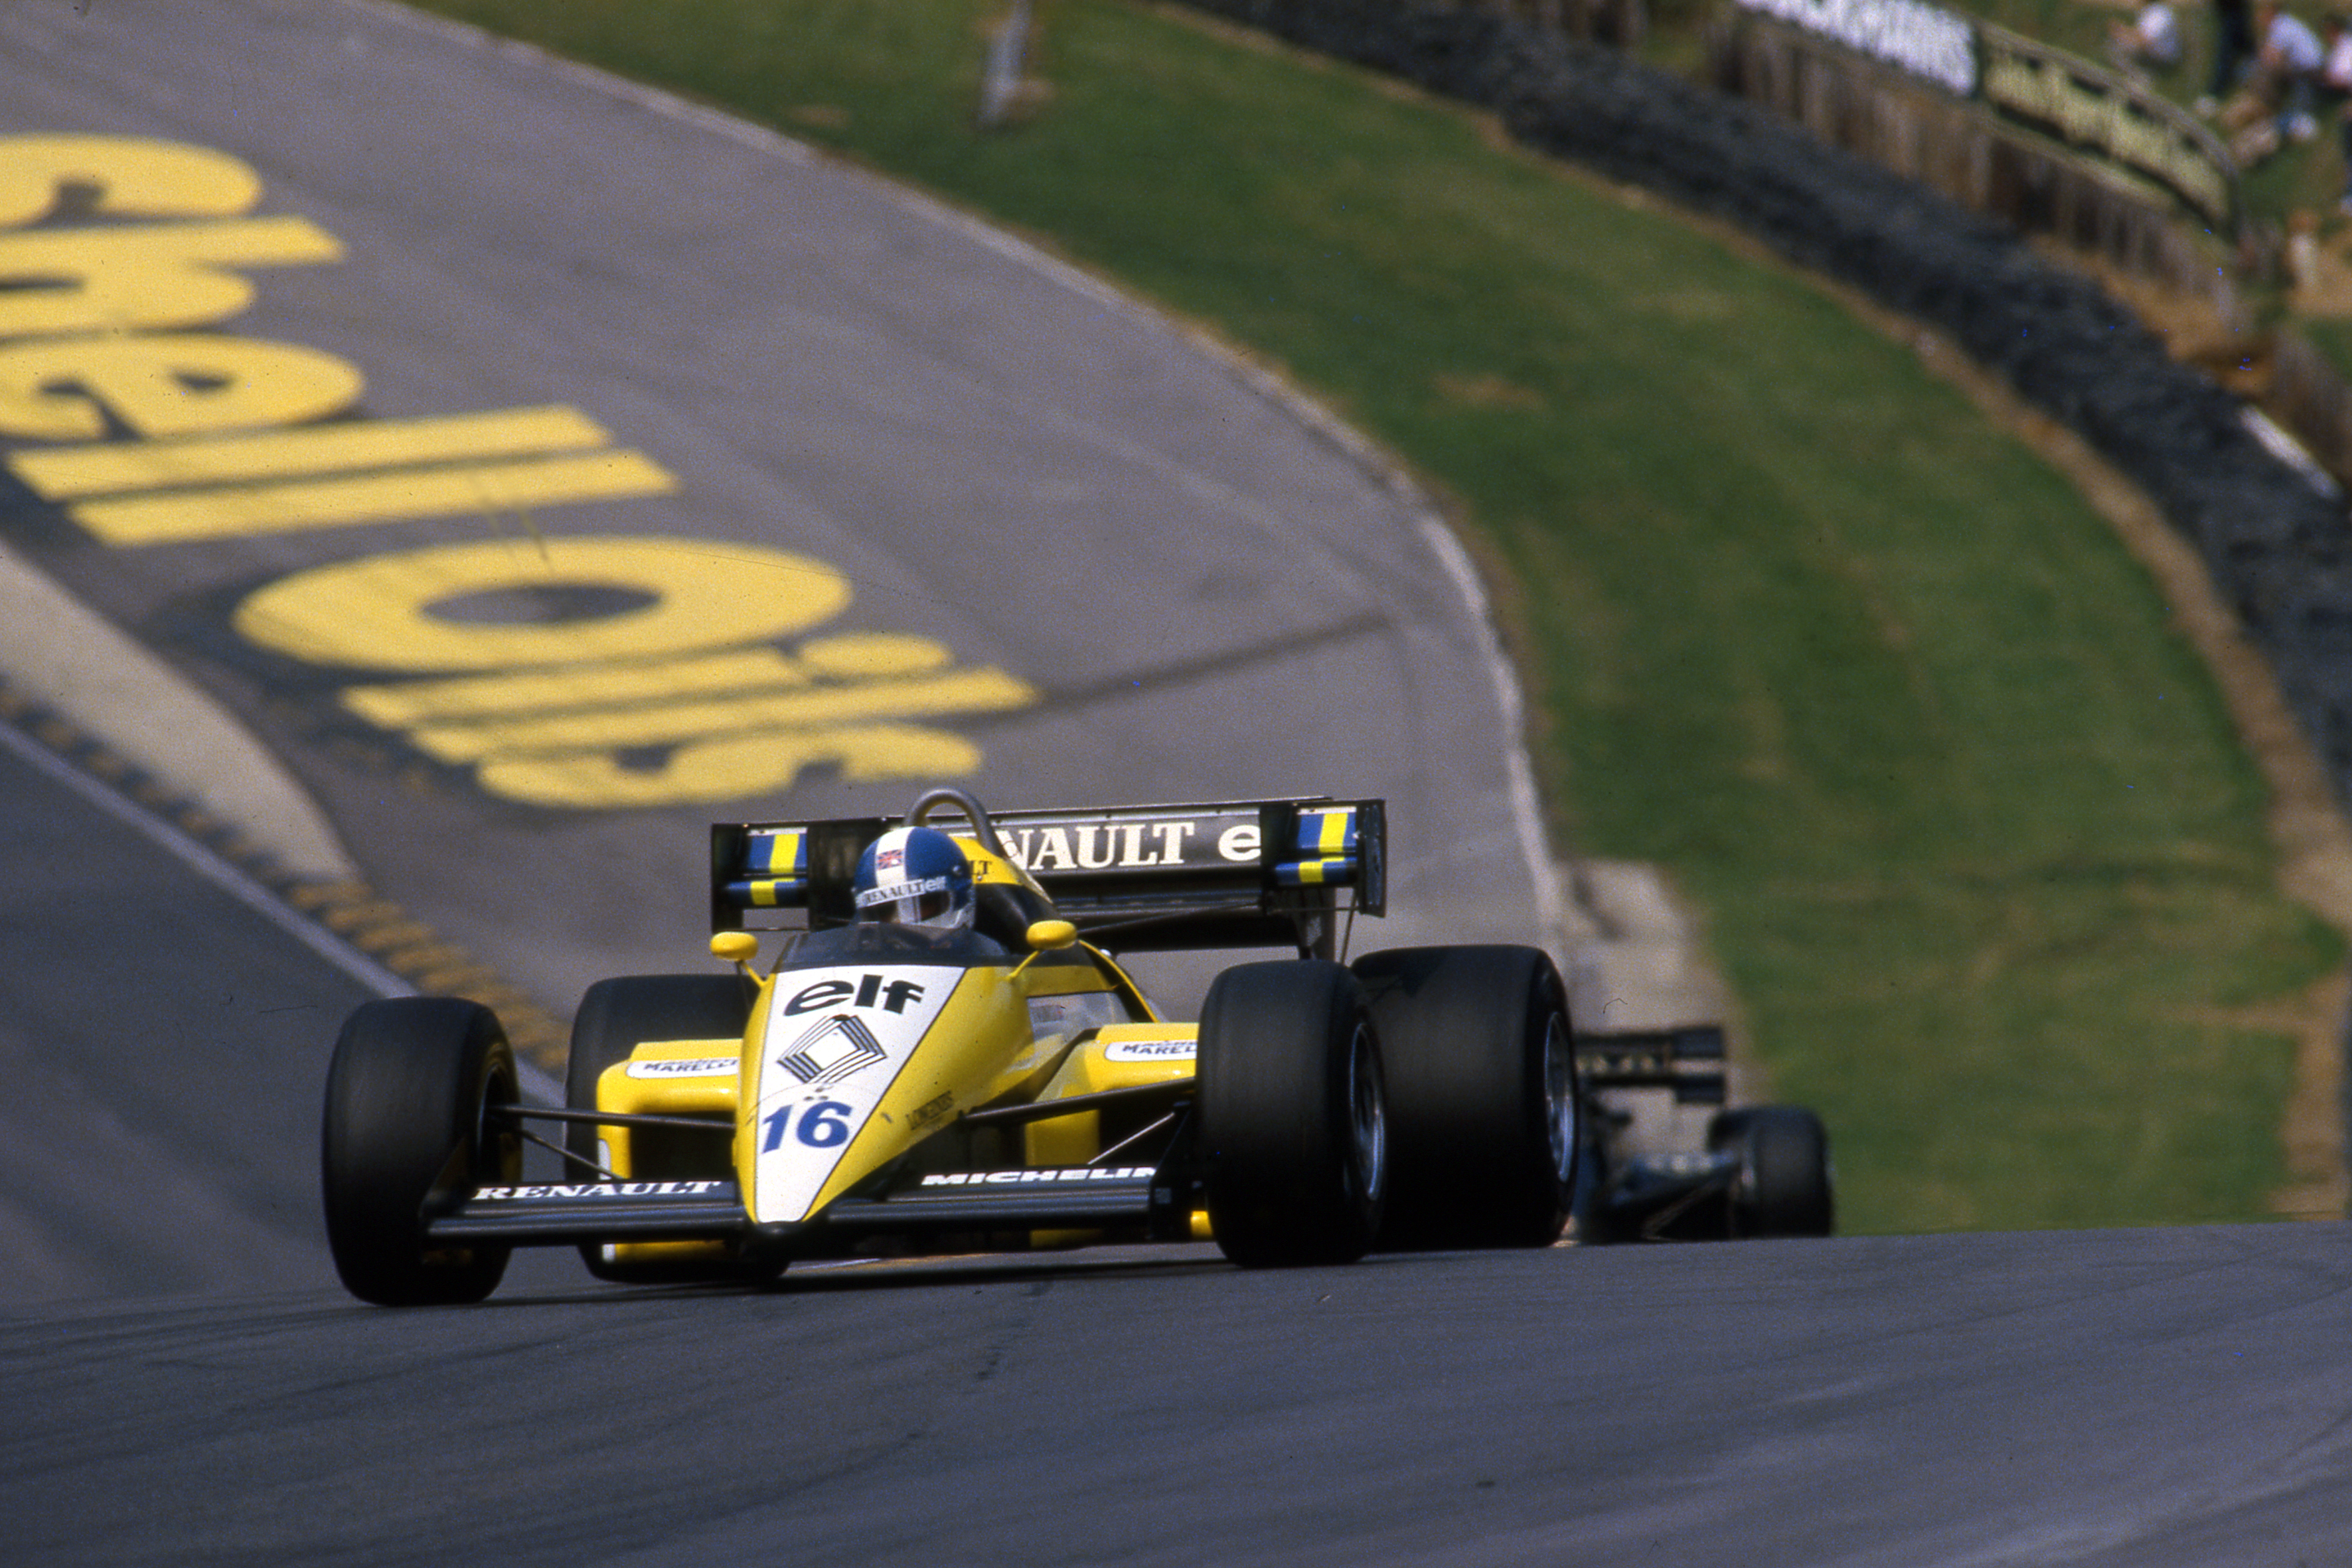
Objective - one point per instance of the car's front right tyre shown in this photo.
(407, 1125)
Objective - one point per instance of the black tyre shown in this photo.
(1486, 1113)
(1783, 1185)
(405, 1129)
(1291, 1115)
(616, 1017)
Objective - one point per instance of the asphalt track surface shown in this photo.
(1157, 582)
(161, 1041)
(184, 1383)
(2143, 1398)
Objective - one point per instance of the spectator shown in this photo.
(2150, 40)
(2336, 90)
(2277, 101)
(2289, 61)
(2233, 49)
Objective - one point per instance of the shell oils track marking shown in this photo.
(239, 438)
(997, 1080)
(417, 319)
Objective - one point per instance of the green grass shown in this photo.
(1967, 818)
(2333, 339)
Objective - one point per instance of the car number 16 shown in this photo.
(822, 1126)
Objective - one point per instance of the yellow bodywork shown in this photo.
(713, 1095)
(1099, 1064)
(1032, 1029)
(1120, 1055)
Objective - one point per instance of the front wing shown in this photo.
(1083, 1197)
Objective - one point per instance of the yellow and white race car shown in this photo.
(942, 1054)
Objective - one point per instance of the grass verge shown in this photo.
(1976, 841)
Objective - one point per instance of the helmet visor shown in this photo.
(923, 909)
(932, 903)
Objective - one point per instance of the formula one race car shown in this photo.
(943, 1055)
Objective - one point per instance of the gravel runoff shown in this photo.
(2276, 547)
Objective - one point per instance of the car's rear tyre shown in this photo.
(1782, 1186)
(1486, 1111)
(616, 1017)
(405, 1126)
(1292, 1115)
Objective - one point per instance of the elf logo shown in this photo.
(894, 996)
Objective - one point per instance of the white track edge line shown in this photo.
(217, 869)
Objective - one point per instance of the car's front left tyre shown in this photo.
(1292, 1115)
(409, 1126)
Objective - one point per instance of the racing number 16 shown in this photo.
(821, 1128)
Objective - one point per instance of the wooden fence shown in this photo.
(1962, 148)
(1968, 151)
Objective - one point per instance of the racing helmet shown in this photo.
(915, 875)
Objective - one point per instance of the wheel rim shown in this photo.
(1563, 1112)
(1367, 1117)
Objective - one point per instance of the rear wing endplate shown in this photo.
(1255, 873)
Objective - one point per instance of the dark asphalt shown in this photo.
(163, 1047)
(2149, 1399)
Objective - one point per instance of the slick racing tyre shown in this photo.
(405, 1127)
(1291, 1115)
(1781, 1184)
(616, 1017)
(1486, 1113)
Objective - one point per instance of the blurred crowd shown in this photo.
(2273, 78)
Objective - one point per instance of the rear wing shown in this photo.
(1260, 873)
(1688, 1060)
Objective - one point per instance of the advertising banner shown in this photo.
(2102, 115)
(1928, 41)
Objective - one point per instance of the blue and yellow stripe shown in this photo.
(1325, 831)
(1332, 871)
(782, 855)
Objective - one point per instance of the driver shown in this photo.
(917, 876)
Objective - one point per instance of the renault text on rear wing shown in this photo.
(1219, 874)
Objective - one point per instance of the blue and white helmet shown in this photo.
(915, 875)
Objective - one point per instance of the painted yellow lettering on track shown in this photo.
(963, 691)
(734, 767)
(580, 673)
(474, 697)
(743, 673)
(88, 280)
(378, 444)
(133, 177)
(485, 488)
(869, 655)
(378, 613)
(166, 384)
